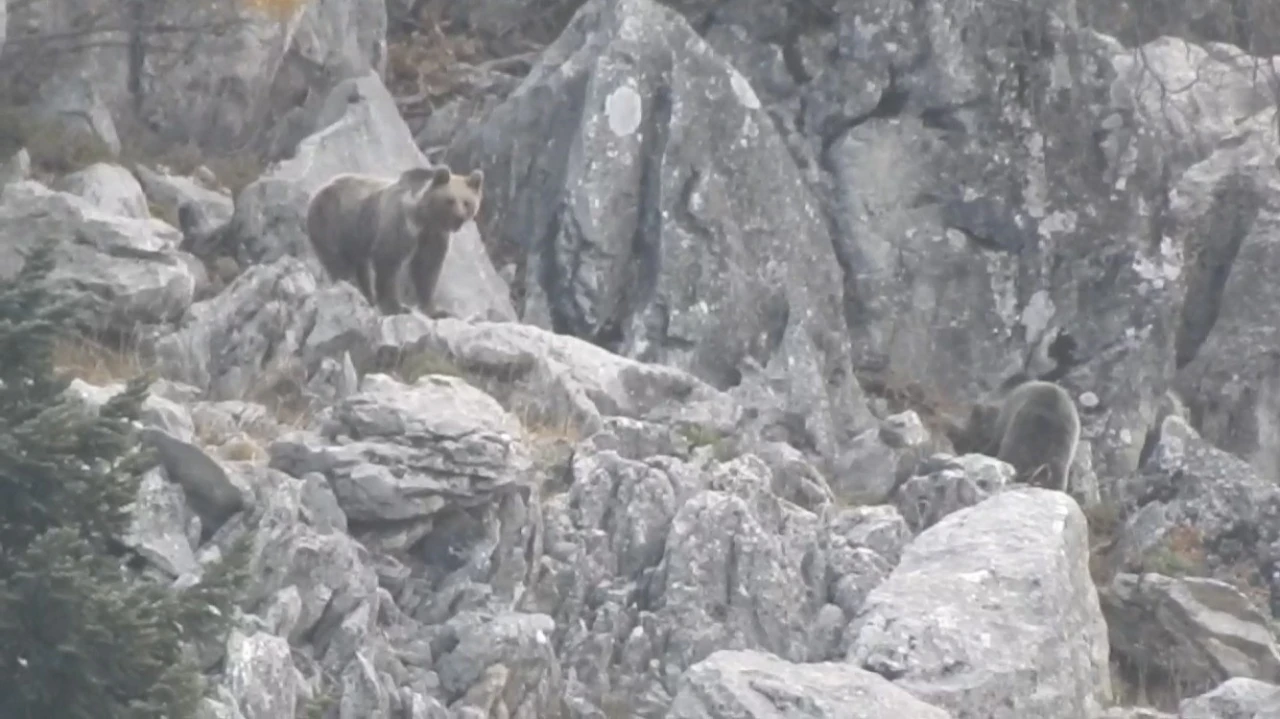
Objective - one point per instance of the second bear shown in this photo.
(1031, 424)
(364, 229)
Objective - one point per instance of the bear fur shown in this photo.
(1036, 430)
(1031, 424)
(366, 229)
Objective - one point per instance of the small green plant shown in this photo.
(1103, 519)
(318, 706)
(1162, 560)
(1180, 554)
(723, 447)
(698, 435)
(424, 362)
(235, 171)
(167, 213)
(241, 449)
(551, 443)
(206, 605)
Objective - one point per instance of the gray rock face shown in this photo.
(124, 270)
(662, 494)
(110, 188)
(1226, 214)
(519, 643)
(80, 109)
(753, 685)
(209, 491)
(656, 158)
(1135, 713)
(227, 345)
(169, 192)
(943, 488)
(159, 528)
(973, 617)
(261, 675)
(216, 73)
(410, 452)
(1238, 698)
(1202, 508)
(915, 146)
(1202, 631)
(558, 380)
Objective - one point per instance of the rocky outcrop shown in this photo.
(1234, 698)
(972, 617)
(751, 684)
(696, 244)
(124, 270)
(640, 470)
(213, 75)
(1203, 631)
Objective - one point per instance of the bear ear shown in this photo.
(441, 176)
(476, 180)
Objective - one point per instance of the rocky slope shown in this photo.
(656, 462)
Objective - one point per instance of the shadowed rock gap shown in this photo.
(1213, 248)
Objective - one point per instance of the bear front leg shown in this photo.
(425, 271)
(386, 273)
(362, 276)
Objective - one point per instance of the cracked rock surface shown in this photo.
(674, 441)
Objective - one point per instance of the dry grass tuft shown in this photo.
(143, 146)
(411, 367)
(281, 388)
(1180, 554)
(551, 443)
(96, 363)
(235, 171)
(241, 448)
(55, 147)
(1105, 522)
(278, 10)
(899, 393)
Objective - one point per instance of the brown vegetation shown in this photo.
(96, 363)
(901, 393)
(410, 367)
(423, 63)
(54, 147)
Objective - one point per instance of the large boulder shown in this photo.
(992, 613)
(659, 214)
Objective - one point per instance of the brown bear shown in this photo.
(364, 229)
(1031, 424)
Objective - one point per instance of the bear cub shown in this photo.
(1031, 424)
(366, 229)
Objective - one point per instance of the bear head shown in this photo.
(443, 198)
